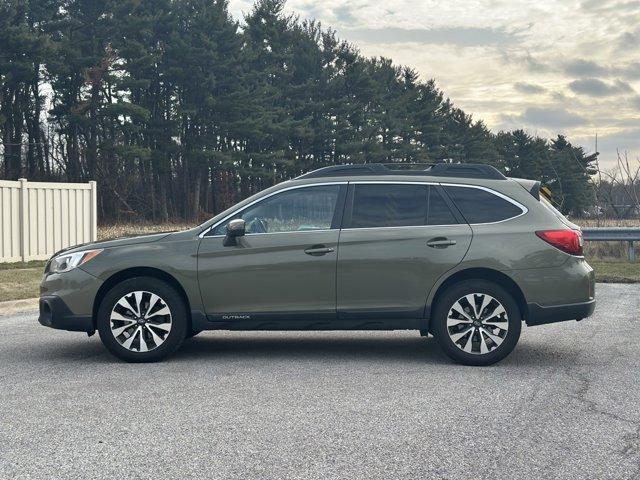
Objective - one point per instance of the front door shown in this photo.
(397, 240)
(283, 269)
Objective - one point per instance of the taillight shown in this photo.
(569, 241)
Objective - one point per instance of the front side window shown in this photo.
(398, 205)
(481, 206)
(300, 209)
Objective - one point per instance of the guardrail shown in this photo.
(614, 234)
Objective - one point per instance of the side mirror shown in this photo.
(235, 229)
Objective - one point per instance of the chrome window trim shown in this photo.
(398, 182)
(523, 209)
(203, 234)
(281, 233)
(403, 226)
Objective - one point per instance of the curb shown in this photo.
(18, 306)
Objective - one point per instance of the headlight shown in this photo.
(66, 262)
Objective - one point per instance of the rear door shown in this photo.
(397, 239)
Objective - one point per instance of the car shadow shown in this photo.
(313, 347)
(323, 347)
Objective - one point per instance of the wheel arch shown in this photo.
(496, 276)
(133, 272)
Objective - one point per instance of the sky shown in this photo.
(565, 66)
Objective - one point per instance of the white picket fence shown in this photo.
(39, 218)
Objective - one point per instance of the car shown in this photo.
(458, 251)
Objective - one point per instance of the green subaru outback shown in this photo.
(456, 250)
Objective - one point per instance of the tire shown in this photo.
(477, 344)
(142, 319)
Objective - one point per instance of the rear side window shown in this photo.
(438, 210)
(481, 206)
(398, 205)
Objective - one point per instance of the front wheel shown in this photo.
(476, 322)
(142, 319)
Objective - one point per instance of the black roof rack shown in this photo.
(464, 170)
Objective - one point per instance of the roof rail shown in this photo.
(463, 170)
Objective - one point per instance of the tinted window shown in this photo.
(309, 208)
(480, 206)
(438, 210)
(380, 205)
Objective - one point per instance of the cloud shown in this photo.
(528, 88)
(460, 36)
(528, 61)
(558, 96)
(547, 117)
(588, 68)
(583, 68)
(344, 14)
(591, 4)
(627, 139)
(630, 71)
(576, 67)
(629, 40)
(597, 88)
(622, 7)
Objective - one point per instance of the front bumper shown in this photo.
(54, 313)
(66, 300)
(539, 315)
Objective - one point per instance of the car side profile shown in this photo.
(456, 250)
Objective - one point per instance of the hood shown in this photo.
(117, 242)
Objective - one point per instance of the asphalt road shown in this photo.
(388, 405)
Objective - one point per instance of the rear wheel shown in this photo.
(142, 319)
(477, 322)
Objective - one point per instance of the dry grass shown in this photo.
(16, 284)
(606, 222)
(616, 272)
(606, 250)
(107, 232)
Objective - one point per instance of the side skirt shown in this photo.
(299, 322)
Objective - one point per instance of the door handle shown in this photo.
(318, 250)
(440, 242)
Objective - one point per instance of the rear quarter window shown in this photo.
(482, 206)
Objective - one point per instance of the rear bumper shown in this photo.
(540, 315)
(54, 313)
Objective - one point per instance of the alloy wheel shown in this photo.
(140, 321)
(477, 323)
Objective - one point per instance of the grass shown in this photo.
(606, 222)
(19, 283)
(21, 265)
(616, 272)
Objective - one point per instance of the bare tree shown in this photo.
(619, 189)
